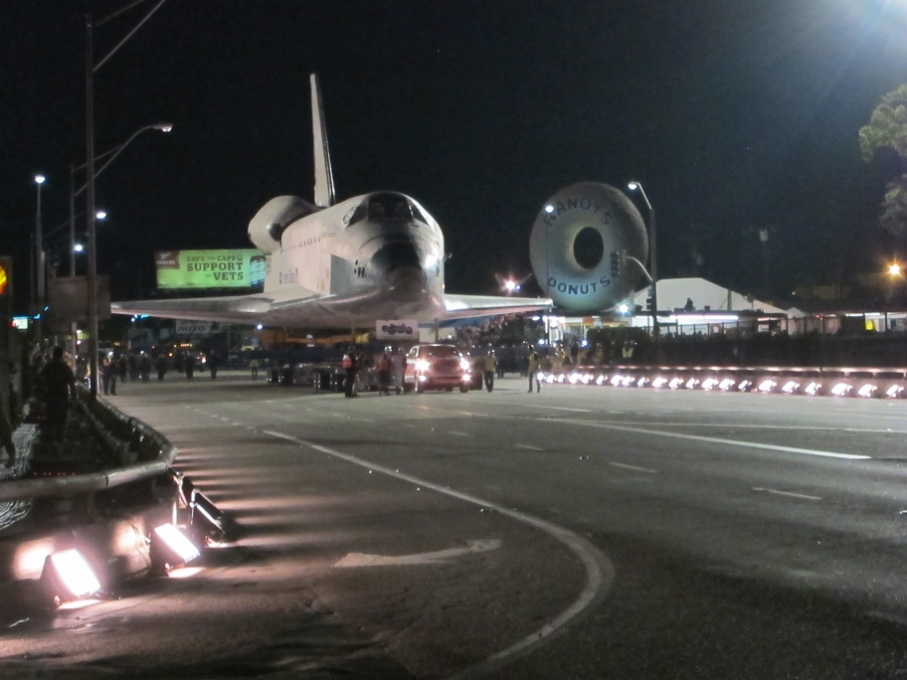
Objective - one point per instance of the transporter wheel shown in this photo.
(464, 389)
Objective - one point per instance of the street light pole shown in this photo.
(548, 209)
(653, 257)
(39, 260)
(73, 325)
(90, 211)
(72, 221)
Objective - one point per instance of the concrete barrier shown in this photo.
(814, 381)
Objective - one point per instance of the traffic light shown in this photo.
(650, 306)
(5, 276)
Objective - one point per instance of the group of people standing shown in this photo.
(389, 367)
(137, 366)
(490, 367)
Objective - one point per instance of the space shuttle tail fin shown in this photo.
(324, 178)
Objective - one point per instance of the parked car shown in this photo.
(436, 367)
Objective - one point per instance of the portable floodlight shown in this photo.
(170, 548)
(67, 576)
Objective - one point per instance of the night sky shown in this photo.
(736, 115)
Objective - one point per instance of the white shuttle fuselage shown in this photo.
(382, 254)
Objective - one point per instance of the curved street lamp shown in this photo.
(73, 192)
(91, 68)
(653, 257)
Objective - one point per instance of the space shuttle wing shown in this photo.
(466, 306)
(255, 308)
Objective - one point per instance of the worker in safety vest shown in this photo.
(491, 366)
(384, 375)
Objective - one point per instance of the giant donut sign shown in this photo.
(579, 244)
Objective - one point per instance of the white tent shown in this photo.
(705, 295)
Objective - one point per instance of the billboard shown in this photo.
(199, 269)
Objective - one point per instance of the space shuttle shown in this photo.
(379, 256)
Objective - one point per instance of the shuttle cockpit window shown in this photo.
(417, 214)
(357, 214)
(389, 207)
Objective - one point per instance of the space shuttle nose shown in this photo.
(402, 276)
(405, 284)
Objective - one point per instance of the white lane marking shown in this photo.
(752, 426)
(560, 408)
(719, 440)
(634, 467)
(545, 406)
(459, 434)
(778, 492)
(599, 570)
(528, 447)
(437, 557)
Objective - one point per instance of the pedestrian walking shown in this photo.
(534, 365)
(34, 373)
(109, 374)
(398, 366)
(491, 366)
(59, 384)
(189, 365)
(179, 362)
(253, 366)
(6, 436)
(133, 366)
(350, 368)
(145, 367)
(161, 366)
(212, 363)
(384, 375)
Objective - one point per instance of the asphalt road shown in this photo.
(581, 532)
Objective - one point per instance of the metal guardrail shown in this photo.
(141, 450)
